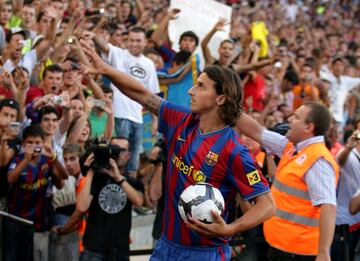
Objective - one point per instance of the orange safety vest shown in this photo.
(295, 226)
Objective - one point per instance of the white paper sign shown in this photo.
(199, 16)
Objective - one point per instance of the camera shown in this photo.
(58, 99)
(357, 136)
(98, 103)
(308, 78)
(75, 66)
(95, 12)
(15, 125)
(37, 149)
(102, 154)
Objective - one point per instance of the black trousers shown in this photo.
(278, 255)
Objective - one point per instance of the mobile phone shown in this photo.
(37, 149)
(94, 12)
(58, 99)
(15, 125)
(309, 78)
(278, 64)
(98, 103)
(75, 66)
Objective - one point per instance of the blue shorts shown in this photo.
(166, 250)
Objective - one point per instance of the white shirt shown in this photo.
(349, 182)
(29, 60)
(339, 89)
(320, 178)
(139, 67)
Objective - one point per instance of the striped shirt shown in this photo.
(320, 178)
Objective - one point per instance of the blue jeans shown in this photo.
(134, 133)
(17, 241)
(89, 255)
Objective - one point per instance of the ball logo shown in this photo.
(199, 176)
(112, 198)
(137, 72)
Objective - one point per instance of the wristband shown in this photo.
(121, 181)
(53, 157)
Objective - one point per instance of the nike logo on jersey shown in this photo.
(180, 139)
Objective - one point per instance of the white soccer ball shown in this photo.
(198, 200)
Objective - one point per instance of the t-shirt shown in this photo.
(33, 93)
(254, 93)
(139, 67)
(28, 195)
(109, 221)
(217, 158)
(28, 61)
(303, 94)
(15, 145)
(98, 124)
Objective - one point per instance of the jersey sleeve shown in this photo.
(170, 115)
(246, 176)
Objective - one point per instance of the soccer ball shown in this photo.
(199, 200)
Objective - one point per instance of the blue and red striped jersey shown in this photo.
(217, 158)
(28, 195)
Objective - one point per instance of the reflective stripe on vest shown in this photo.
(311, 222)
(290, 190)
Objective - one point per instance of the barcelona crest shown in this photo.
(211, 158)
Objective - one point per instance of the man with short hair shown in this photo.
(15, 38)
(128, 113)
(347, 233)
(306, 89)
(340, 85)
(52, 81)
(202, 147)
(304, 186)
(108, 195)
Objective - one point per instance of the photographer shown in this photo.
(108, 194)
(347, 231)
(306, 89)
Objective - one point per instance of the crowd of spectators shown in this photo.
(55, 114)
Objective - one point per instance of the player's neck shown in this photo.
(210, 124)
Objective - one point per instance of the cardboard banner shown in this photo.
(199, 16)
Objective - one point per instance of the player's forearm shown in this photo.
(133, 89)
(327, 227)
(263, 209)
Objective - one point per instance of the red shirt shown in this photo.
(5, 93)
(33, 93)
(254, 93)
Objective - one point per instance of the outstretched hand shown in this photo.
(218, 228)
(219, 26)
(97, 64)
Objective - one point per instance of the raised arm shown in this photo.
(209, 59)
(45, 45)
(159, 34)
(125, 83)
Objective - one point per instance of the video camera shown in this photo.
(102, 154)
